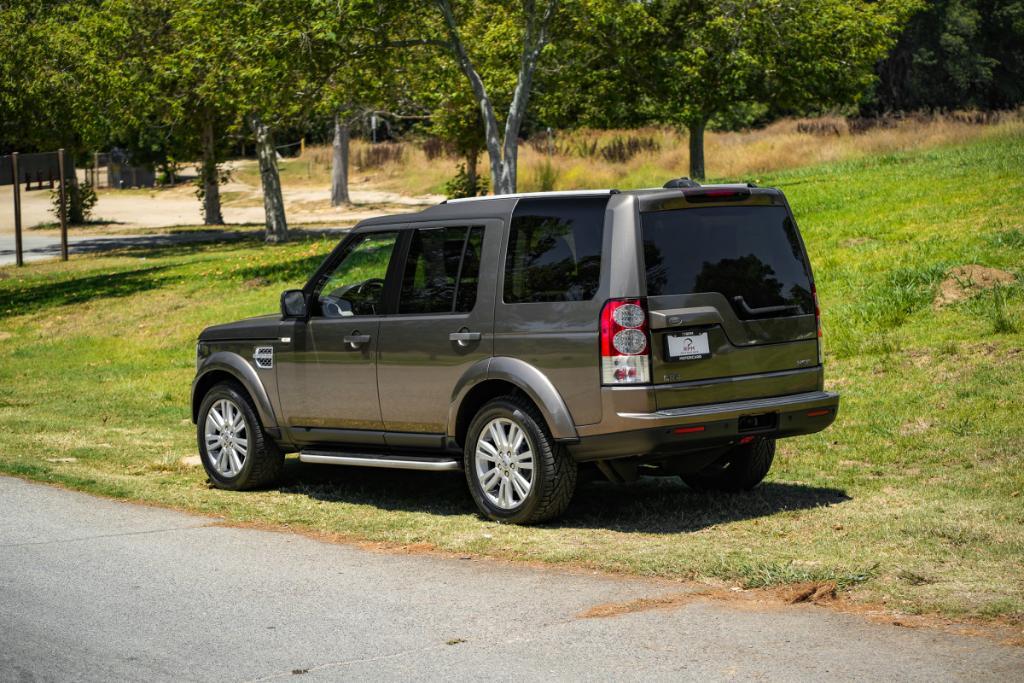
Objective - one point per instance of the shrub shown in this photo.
(461, 185)
(79, 200)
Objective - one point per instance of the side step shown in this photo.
(396, 462)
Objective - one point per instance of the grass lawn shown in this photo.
(914, 498)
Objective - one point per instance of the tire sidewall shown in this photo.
(252, 427)
(541, 446)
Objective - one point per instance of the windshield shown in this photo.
(750, 254)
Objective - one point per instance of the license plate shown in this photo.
(687, 346)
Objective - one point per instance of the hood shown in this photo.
(260, 327)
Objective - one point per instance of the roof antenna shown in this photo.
(680, 182)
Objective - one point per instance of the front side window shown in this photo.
(356, 285)
(441, 271)
(554, 249)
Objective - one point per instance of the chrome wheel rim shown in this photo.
(227, 437)
(504, 463)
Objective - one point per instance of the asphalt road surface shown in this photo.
(92, 589)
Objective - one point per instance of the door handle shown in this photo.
(355, 340)
(463, 337)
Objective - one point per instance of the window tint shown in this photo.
(441, 271)
(356, 285)
(554, 249)
(749, 254)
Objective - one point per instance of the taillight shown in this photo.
(625, 342)
(817, 322)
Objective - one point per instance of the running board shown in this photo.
(396, 462)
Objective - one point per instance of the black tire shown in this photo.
(263, 462)
(554, 473)
(740, 469)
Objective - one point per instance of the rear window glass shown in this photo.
(554, 250)
(749, 254)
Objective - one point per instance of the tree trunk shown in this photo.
(697, 150)
(210, 178)
(503, 151)
(339, 164)
(471, 175)
(273, 201)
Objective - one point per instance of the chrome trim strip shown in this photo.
(520, 195)
(325, 458)
(811, 399)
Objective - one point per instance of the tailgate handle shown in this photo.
(700, 315)
(764, 310)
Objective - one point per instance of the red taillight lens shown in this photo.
(625, 342)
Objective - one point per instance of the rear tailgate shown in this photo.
(731, 304)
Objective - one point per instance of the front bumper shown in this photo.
(678, 430)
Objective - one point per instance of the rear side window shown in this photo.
(554, 249)
(750, 254)
(441, 271)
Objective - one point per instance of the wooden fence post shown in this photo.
(63, 208)
(18, 258)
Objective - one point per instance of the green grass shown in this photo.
(915, 497)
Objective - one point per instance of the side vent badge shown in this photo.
(264, 357)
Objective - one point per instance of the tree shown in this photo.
(721, 56)
(955, 54)
(502, 146)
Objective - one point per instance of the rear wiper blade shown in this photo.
(764, 310)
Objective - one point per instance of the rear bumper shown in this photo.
(678, 430)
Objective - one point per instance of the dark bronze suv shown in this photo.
(666, 331)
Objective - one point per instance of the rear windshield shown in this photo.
(749, 254)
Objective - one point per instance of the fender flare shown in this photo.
(243, 372)
(527, 378)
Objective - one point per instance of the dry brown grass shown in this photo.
(577, 160)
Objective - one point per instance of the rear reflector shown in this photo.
(688, 430)
(818, 413)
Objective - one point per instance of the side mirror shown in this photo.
(293, 303)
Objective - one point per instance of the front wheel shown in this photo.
(516, 471)
(740, 469)
(235, 451)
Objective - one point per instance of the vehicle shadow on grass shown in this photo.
(661, 505)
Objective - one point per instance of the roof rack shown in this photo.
(559, 193)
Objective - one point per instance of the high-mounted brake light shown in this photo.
(722, 194)
(625, 342)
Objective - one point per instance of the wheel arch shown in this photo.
(223, 366)
(500, 376)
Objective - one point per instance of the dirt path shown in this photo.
(129, 210)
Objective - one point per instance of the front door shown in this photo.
(328, 382)
(443, 324)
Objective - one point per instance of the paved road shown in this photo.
(92, 589)
(38, 247)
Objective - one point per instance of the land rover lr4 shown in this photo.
(668, 331)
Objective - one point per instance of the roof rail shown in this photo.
(680, 182)
(517, 195)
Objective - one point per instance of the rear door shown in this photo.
(731, 301)
(443, 324)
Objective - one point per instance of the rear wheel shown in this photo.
(516, 472)
(235, 451)
(740, 469)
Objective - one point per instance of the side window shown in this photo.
(441, 271)
(356, 285)
(554, 249)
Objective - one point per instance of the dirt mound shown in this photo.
(964, 282)
(813, 592)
